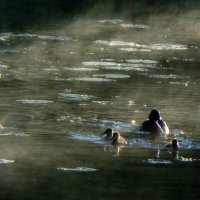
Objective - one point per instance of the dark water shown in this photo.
(62, 85)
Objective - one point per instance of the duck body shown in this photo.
(173, 145)
(118, 139)
(158, 127)
(155, 124)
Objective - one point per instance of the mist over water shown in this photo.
(64, 82)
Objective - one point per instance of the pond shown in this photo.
(62, 85)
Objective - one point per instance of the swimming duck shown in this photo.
(173, 145)
(118, 139)
(108, 133)
(155, 124)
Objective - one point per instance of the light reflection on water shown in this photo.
(63, 90)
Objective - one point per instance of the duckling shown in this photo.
(108, 133)
(174, 144)
(118, 139)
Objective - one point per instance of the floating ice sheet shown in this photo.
(5, 36)
(100, 63)
(80, 69)
(117, 43)
(9, 51)
(44, 37)
(111, 21)
(166, 76)
(161, 46)
(135, 49)
(101, 102)
(33, 101)
(136, 26)
(167, 46)
(158, 161)
(90, 79)
(142, 61)
(78, 169)
(21, 134)
(4, 161)
(76, 97)
(128, 67)
(2, 66)
(120, 76)
(53, 37)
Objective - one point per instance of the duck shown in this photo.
(108, 133)
(118, 139)
(155, 124)
(173, 145)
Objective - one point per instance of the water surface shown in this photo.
(60, 88)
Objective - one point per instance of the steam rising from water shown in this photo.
(85, 54)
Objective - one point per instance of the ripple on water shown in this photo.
(86, 137)
(34, 101)
(118, 126)
(144, 143)
(78, 169)
(75, 97)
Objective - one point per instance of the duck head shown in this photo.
(108, 133)
(175, 143)
(115, 137)
(154, 115)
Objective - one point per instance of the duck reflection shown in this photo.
(174, 145)
(173, 149)
(113, 149)
(117, 141)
